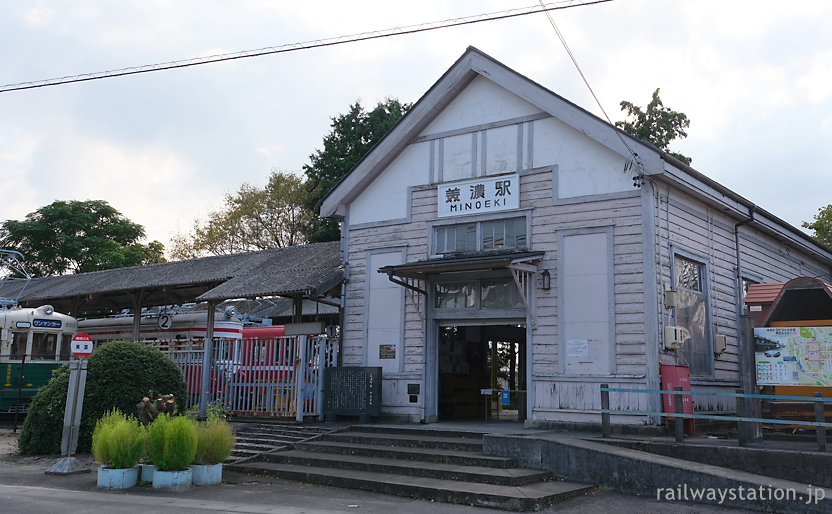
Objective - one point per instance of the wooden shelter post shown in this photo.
(138, 299)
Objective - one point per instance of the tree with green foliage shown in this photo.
(353, 134)
(252, 219)
(77, 237)
(822, 225)
(655, 124)
(119, 374)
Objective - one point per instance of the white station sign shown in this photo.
(81, 345)
(478, 196)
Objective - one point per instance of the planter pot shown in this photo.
(179, 480)
(110, 478)
(147, 473)
(207, 474)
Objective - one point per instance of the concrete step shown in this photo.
(248, 445)
(239, 455)
(254, 438)
(415, 431)
(516, 498)
(415, 440)
(666, 478)
(261, 439)
(464, 458)
(456, 472)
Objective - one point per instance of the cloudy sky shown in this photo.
(754, 77)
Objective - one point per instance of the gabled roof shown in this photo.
(472, 64)
(763, 293)
(799, 299)
(656, 162)
(290, 271)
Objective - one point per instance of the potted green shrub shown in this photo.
(118, 443)
(172, 447)
(215, 442)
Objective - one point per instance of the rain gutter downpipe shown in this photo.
(751, 209)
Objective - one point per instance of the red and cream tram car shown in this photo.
(245, 360)
(161, 327)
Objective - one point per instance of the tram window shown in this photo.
(66, 346)
(44, 346)
(18, 344)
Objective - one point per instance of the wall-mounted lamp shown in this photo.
(546, 279)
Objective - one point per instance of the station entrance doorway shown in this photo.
(482, 372)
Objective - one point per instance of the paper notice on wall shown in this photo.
(577, 348)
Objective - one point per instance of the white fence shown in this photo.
(275, 377)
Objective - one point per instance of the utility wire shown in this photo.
(638, 171)
(290, 47)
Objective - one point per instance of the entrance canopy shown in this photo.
(479, 262)
(414, 275)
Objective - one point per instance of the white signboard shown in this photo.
(81, 345)
(478, 196)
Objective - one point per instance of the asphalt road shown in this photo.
(26, 489)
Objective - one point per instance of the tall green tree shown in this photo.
(77, 237)
(655, 124)
(822, 225)
(253, 218)
(353, 134)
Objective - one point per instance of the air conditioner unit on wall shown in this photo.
(674, 337)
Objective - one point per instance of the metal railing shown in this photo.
(275, 377)
(747, 425)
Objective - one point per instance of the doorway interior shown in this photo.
(474, 359)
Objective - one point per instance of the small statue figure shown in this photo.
(146, 410)
(165, 404)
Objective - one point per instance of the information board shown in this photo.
(793, 356)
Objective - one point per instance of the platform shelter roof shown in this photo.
(296, 271)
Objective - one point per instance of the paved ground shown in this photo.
(25, 488)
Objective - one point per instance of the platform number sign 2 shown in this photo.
(81, 345)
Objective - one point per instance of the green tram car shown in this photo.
(34, 343)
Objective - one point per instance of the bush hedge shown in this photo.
(119, 374)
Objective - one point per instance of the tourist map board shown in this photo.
(793, 356)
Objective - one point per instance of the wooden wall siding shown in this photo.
(624, 215)
(585, 398)
(717, 404)
(413, 236)
(691, 225)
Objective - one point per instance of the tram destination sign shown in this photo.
(46, 323)
(478, 196)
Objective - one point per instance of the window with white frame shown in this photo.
(500, 234)
(491, 293)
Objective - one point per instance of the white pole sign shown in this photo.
(81, 345)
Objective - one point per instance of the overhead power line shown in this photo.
(635, 166)
(291, 47)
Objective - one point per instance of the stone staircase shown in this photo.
(257, 438)
(438, 465)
